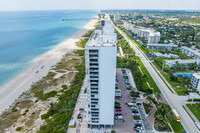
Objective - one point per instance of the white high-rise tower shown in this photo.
(100, 58)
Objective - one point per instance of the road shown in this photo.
(173, 100)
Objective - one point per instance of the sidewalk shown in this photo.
(81, 124)
(132, 82)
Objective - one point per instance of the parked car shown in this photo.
(123, 69)
(198, 125)
(118, 107)
(132, 104)
(135, 111)
(138, 129)
(119, 110)
(125, 76)
(124, 73)
(139, 123)
(118, 114)
(135, 114)
(133, 108)
(119, 117)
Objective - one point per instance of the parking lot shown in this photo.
(126, 125)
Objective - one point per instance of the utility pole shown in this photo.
(163, 65)
(192, 98)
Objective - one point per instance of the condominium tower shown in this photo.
(117, 17)
(100, 58)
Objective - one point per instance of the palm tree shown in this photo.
(149, 98)
(158, 96)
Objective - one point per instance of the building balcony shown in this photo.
(94, 122)
(94, 91)
(93, 53)
(93, 57)
(93, 82)
(94, 77)
(94, 66)
(94, 103)
(95, 116)
(94, 70)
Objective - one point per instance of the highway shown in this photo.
(174, 101)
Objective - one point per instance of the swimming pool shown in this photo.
(184, 74)
(173, 55)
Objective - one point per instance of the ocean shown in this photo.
(25, 35)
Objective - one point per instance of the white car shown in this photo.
(132, 104)
(133, 108)
(198, 125)
(119, 117)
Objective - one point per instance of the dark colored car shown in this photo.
(117, 114)
(135, 111)
(118, 107)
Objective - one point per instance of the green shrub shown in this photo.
(14, 110)
(42, 127)
(18, 128)
(64, 86)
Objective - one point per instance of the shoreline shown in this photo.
(39, 67)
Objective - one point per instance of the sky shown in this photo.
(7, 5)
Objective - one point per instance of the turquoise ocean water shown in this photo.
(25, 35)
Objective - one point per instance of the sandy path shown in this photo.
(11, 90)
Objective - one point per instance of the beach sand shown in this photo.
(11, 90)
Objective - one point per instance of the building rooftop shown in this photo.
(196, 75)
(103, 36)
(191, 50)
(173, 45)
(182, 61)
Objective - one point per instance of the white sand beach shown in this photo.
(11, 90)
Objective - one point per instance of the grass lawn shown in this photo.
(149, 78)
(177, 127)
(195, 110)
(179, 91)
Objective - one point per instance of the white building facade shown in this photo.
(162, 46)
(150, 35)
(128, 26)
(100, 59)
(195, 81)
(173, 63)
(117, 17)
(190, 52)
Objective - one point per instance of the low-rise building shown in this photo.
(173, 63)
(191, 52)
(195, 81)
(162, 46)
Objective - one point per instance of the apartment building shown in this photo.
(148, 34)
(162, 46)
(117, 17)
(128, 26)
(100, 59)
(195, 81)
(173, 63)
(190, 52)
